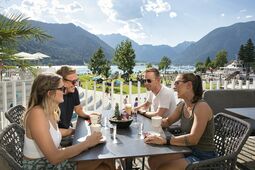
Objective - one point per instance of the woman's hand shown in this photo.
(154, 139)
(94, 139)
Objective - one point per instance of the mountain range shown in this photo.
(73, 45)
(70, 44)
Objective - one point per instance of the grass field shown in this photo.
(86, 80)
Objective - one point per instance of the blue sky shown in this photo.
(154, 22)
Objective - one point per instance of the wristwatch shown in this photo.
(168, 138)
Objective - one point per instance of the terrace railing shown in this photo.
(17, 92)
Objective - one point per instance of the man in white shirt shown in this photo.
(161, 98)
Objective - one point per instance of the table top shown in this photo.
(129, 143)
(248, 112)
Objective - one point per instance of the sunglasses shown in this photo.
(179, 81)
(146, 80)
(72, 81)
(63, 89)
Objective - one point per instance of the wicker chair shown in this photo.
(15, 113)
(231, 134)
(11, 145)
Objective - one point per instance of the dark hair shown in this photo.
(154, 70)
(196, 83)
(65, 71)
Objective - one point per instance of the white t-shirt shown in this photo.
(164, 99)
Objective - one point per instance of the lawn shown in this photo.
(87, 79)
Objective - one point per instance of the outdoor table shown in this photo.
(248, 112)
(129, 144)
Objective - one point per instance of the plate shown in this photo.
(84, 138)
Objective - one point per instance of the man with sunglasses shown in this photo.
(160, 97)
(71, 101)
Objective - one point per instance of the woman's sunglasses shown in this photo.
(63, 89)
(179, 81)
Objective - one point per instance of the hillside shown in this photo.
(71, 44)
(229, 38)
(74, 45)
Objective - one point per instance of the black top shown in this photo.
(67, 109)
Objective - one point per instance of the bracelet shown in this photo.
(168, 138)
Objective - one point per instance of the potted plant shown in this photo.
(121, 118)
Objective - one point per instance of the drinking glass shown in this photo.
(140, 128)
(135, 116)
(114, 133)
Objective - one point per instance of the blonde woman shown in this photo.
(42, 135)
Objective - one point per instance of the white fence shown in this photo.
(17, 92)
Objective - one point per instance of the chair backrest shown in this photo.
(231, 134)
(11, 145)
(221, 99)
(14, 114)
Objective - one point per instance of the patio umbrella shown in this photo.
(26, 56)
(41, 55)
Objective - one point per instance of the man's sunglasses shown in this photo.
(72, 81)
(63, 89)
(146, 80)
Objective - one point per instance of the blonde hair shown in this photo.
(42, 84)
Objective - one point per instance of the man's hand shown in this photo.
(66, 132)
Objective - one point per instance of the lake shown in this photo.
(138, 68)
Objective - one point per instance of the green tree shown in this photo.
(200, 67)
(98, 64)
(241, 53)
(207, 62)
(124, 58)
(247, 54)
(106, 69)
(14, 28)
(221, 58)
(211, 65)
(249, 51)
(164, 64)
(149, 65)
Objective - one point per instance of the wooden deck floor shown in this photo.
(246, 158)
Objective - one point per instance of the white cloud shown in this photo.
(157, 6)
(75, 6)
(173, 14)
(243, 10)
(222, 14)
(106, 8)
(47, 10)
(121, 10)
(133, 30)
(238, 17)
(248, 16)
